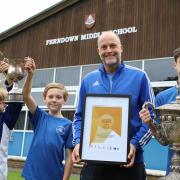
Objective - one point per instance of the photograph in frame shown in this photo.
(105, 129)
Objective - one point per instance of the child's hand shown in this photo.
(4, 67)
(29, 65)
(145, 115)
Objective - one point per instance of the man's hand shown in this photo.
(75, 154)
(131, 156)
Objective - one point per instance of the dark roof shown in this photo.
(37, 18)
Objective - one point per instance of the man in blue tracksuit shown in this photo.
(113, 77)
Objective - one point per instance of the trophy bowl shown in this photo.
(16, 72)
(168, 133)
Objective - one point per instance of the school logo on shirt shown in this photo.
(60, 130)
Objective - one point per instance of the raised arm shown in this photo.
(28, 99)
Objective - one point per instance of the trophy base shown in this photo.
(171, 176)
(14, 98)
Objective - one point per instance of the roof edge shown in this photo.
(37, 18)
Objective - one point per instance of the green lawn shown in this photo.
(15, 174)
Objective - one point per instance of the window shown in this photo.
(86, 69)
(20, 122)
(69, 76)
(159, 69)
(68, 114)
(137, 64)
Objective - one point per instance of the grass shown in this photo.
(15, 174)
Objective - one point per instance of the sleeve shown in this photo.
(143, 135)
(69, 140)
(35, 117)
(8, 86)
(11, 114)
(159, 100)
(78, 116)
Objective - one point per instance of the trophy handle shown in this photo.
(149, 104)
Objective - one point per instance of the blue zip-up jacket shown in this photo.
(127, 80)
(10, 115)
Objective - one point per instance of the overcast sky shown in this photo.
(15, 11)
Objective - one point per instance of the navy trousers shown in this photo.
(92, 171)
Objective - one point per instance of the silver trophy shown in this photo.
(168, 133)
(16, 72)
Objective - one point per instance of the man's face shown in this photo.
(109, 49)
(177, 67)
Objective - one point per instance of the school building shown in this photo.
(63, 41)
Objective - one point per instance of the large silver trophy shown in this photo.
(15, 73)
(168, 133)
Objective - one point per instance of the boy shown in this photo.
(8, 118)
(4, 140)
(52, 132)
(4, 152)
(164, 97)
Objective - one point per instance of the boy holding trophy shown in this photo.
(52, 132)
(8, 117)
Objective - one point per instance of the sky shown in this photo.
(16, 11)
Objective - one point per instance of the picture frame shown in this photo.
(105, 129)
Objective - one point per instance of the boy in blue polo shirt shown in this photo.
(52, 133)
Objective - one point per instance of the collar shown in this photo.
(120, 67)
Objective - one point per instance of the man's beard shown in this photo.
(113, 63)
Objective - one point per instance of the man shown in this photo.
(113, 77)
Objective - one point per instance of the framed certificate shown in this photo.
(105, 129)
